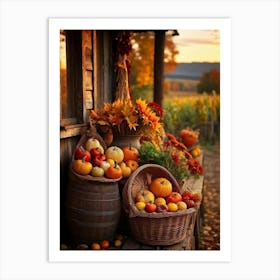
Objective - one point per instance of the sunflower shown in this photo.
(131, 118)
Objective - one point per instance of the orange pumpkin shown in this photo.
(114, 172)
(189, 136)
(130, 153)
(81, 166)
(161, 187)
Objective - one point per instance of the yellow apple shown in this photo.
(160, 200)
(182, 205)
(111, 161)
(140, 205)
(172, 207)
(132, 164)
(118, 243)
(126, 171)
(145, 196)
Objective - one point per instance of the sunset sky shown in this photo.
(198, 45)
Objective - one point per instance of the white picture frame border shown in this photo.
(221, 24)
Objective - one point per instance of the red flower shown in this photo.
(175, 158)
(157, 108)
(188, 155)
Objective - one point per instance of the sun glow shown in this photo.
(198, 46)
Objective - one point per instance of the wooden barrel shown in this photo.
(92, 208)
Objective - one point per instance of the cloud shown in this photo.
(198, 37)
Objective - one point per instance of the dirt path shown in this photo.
(210, 230)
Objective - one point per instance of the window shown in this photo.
(71, 88)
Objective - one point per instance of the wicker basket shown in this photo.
(165, 228)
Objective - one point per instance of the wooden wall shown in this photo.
(80, 86)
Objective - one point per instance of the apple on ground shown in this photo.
(104, 244)
(118, 243)
(95, 246)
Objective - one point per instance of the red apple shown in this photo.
(187, 195)
(97, 160)
(189, 202)
(81, 153)
(95, 151)
(150, 207)
(174, 197)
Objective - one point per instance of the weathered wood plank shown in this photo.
(87, 50)
(88, 83)
(193, 184)
(69, 121)
(72, 130)
(88, 99)
(87, 62)
(88, 59)
(74, 74)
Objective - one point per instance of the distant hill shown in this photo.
(191, 71)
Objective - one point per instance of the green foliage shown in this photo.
(209, 81)
(145, 93)
(148, 153)
(190, 111)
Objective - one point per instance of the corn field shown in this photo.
(192, 111)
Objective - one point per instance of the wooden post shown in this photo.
(98, 67)
(159, 66)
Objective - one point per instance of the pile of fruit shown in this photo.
(113, 162)
(159, 197)
(104, 244)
